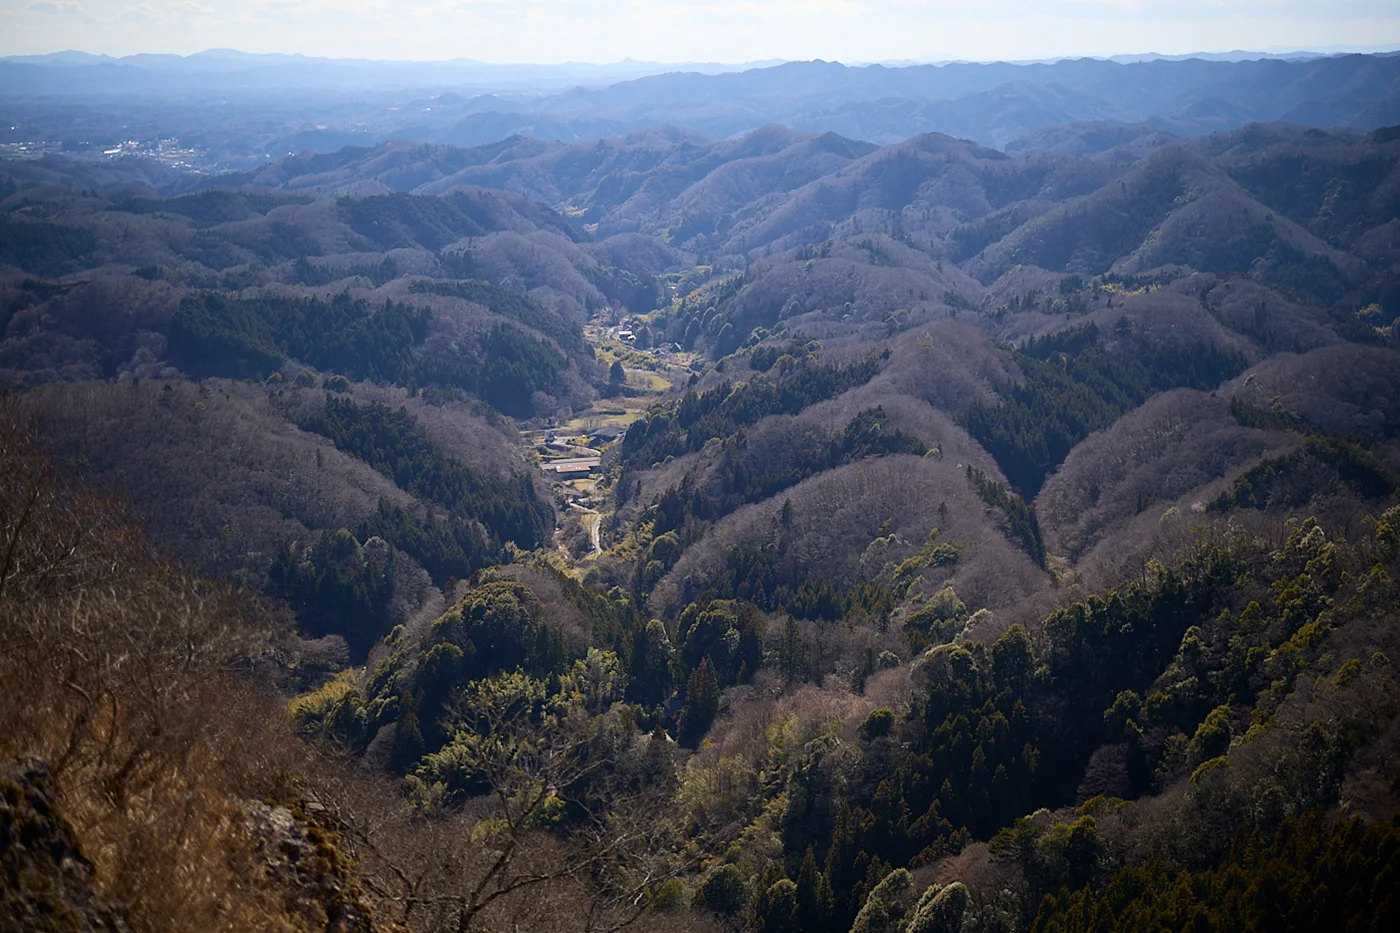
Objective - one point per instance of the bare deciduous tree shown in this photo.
(553, 831)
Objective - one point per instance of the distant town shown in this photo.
(169, 152)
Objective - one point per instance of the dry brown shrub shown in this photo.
(125, 677)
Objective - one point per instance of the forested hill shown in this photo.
(930, 537)
(940, 220)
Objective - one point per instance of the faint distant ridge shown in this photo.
(990, 103)
(1235, 55)
(1242, 55)
(235, 57)
(297, 70)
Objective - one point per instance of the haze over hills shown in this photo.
(81, 72)
(796, 498)
(231, 108)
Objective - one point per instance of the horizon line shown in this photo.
(1271, 52)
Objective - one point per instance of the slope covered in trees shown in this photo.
(243, 283)
(392, 443)
(1311, 875)
(243, 481)
(1070, 393)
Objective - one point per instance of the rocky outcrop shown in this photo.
(300, 857)
(46, 884)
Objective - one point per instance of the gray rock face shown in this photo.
(301, 859)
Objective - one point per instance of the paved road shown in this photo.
(594, 527)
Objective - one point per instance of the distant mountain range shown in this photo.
(65, 71)
(989, 103)
(239, 107)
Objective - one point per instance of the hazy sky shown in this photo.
(695, 30)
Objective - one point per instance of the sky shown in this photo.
(549, 31)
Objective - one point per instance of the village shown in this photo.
(571, 453)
